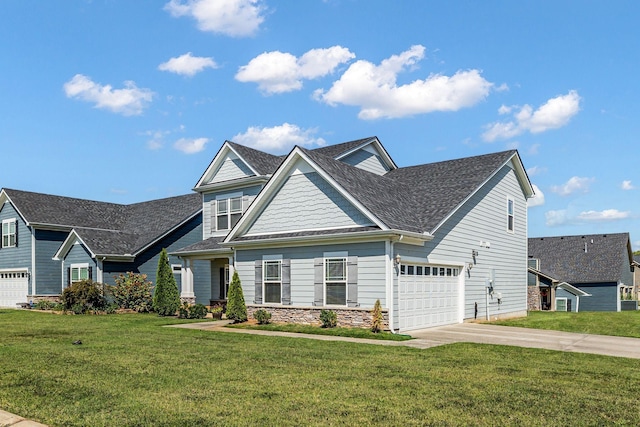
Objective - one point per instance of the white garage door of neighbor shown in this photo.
(428, 296)
(14, 287)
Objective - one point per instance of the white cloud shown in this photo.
(537, 199)
(191, 145)
(626, 185)
(129, 101)
(555, 113)
(535, 170)
(575, 184)
(235, 18)
(278, 139)
(278, 72)
(602, 216)
(156, 140)
(374, 89)
(187, 64)
(562, 217)
(553, 218)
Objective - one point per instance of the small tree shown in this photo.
(236, 308)
(376, 317)
(166, 299)
(84, 296)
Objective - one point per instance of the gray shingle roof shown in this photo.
(212, 243)
(565, 258)
(108, 228)
(336, 150)
(263, 163)
(444, 185)
(394, 197)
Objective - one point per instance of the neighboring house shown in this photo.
(342, 226)
(50, 241)
(567, 268)
(636, 277)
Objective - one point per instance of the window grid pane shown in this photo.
(336, 269)
(272, 271)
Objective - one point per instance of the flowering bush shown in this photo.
(133, 291)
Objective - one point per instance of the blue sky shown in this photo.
(127, 101)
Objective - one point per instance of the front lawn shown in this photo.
(621, 324)
(131, 371)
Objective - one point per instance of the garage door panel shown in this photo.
(14, 287)
(426, 299)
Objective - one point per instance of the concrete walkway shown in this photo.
(8, 419)
(480, 333)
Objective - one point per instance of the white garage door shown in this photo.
(428, 296)
(14, 287)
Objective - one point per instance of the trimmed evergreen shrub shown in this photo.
(262, 316)
(166, 299)
(329, 318)
(84, 296)
(236, 307)
(376, 317)
(133, 291)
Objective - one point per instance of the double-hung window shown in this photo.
(79, 272)
(510, 215)
(9, 233)
(335, 281)
(272, 281)
(228, 212)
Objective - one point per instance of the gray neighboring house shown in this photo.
(580, 273)
(50, 241)
(342, 226)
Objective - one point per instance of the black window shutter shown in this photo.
(90, 269)
(286, 282)
(318, 282)
(16, 236)
(257, 299)
(68, 276)
(352, 281)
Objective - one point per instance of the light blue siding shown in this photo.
(78, 255)
(483, 218)
(366, 160)
(307, 202)
(572, 300)
(371, 271)
(18, 257)
(231, 168)
(209, 207)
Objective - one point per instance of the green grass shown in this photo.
(622, 324)
(130, 371)
(316, 330)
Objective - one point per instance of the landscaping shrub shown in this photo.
(166, 299)
(84, 296)
(236, 308)
(196, 311)
(376, 317)
(133, 291)
(262, 316)
(329, 318)
(45, 305)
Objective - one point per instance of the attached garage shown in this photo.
(429, 295)
(14, 288)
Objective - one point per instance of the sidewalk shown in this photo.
(9, 419)
(480, 333)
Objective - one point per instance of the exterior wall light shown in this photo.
(397, 259)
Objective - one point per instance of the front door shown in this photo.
(224, 281)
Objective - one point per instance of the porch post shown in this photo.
(231, 268)
(187, 281)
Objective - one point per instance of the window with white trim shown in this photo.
(335, 280)
(79, 272)
(272, 281)
(9, 233)
(228, 212)
(510, 215)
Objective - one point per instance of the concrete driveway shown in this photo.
(533, 338)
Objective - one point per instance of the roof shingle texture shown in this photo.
(565, 258)
(108, 228)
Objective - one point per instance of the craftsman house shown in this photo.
(50, 241)
(342, 226)
(580, 273)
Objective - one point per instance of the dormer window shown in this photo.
(228, 212)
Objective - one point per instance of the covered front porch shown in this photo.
(206, 270)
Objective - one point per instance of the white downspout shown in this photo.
(390, 267)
